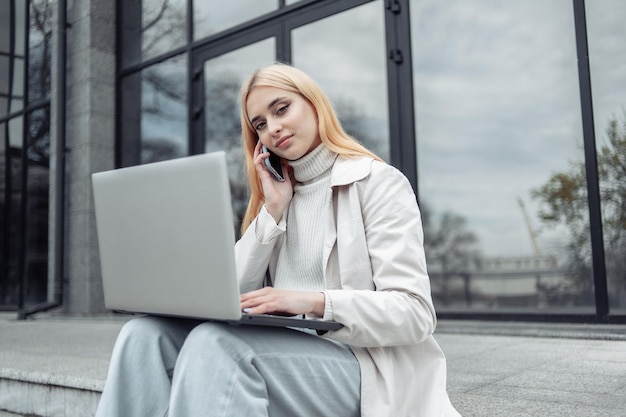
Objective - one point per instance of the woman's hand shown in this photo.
(277, 194)
(270, 300)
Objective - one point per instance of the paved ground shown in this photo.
(502, 369)
(535, 376)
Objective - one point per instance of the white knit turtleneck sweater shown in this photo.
(300, 259)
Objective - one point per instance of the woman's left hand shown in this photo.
(270, 300)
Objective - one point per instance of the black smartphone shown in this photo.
(274, 165)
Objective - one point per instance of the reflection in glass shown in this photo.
(5, 62)
(345, 54)
(25, 156)
(36, 207)
(223, 78)
(130, 119)
(154, 113)
(38, 149)
(497, 113)
(11, 212)
(16, 104)
(39, 50)
(212, 16)
(607, 54)
(151, 27)
(17, 92)
(164, 110)
(5, 26)
(16, 127)
(20, 28)
(4, 219)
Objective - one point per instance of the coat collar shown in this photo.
(348, 170)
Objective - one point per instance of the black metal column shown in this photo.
(591, 163)
(400, 86)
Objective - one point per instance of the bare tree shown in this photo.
(563, 201)
(451, 250)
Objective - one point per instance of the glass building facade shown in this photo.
(508, 118)
(25, 85)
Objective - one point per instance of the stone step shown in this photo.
(39, 395)
(54, 367)
(57, 367)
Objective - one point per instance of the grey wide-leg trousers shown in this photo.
(173, 367)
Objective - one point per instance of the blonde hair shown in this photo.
(333, 136)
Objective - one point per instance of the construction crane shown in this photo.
(531, 232)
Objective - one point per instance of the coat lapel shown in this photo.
(346, 171)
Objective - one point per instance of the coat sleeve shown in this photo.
(255, 249)
(397, 309)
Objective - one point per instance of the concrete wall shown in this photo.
(90, 147)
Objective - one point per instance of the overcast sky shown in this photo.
(498, 107)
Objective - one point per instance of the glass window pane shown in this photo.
(223, 78)
(345, 54)
(5, 62)
(154, 113)
(16, 128)
(12, 229)
(39, 50)
(212, 16)
(497, 121)
(4, 218)
(37, 190)
(20, 28)
(18, 79)
(15, 105)
(130, 120)
(3, 137)
(39, 136)
(164, 110)
(607, 54)
(5, 25)
(164, 26)
(151, 27)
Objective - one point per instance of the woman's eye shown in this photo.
(260, 126)
(282, 109)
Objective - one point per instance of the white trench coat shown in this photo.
(377, 287)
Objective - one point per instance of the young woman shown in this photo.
(342, 240)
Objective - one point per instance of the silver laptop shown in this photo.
(166, 239)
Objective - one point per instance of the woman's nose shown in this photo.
(274, 126)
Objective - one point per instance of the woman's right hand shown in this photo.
(277, 194)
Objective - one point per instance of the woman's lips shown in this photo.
(283, 142)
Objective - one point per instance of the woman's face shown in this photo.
(284, 121)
